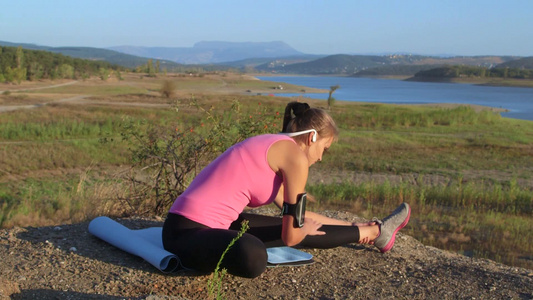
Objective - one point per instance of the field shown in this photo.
(468, 174)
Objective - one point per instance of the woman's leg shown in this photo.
(268, 229)
(200, 248)
(382, 233)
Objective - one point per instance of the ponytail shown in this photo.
(300, 116)
(298, 110)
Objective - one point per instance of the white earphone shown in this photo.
(303, 132)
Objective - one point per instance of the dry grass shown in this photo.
(59, 161)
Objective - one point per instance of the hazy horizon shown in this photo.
(469, 28)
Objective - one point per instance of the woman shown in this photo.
(258, 171)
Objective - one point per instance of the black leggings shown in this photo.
(200, 247)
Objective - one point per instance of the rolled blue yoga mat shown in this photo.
(148, 244)
(145, 243)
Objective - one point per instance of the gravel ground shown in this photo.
(67, 262)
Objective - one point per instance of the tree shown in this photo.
(35, 71)
(119, 75)
(9, 75)
(66, 71)
(104, 73)
(18, 64)
(19, 71)
(331, 100)
(20, 57)
(150, 68)
(20, 75)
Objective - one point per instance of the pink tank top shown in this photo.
(240, 177)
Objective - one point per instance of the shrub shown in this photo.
(168, 90)
(103, 73)
(165, 160)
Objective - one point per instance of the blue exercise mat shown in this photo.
(148, 244)
(145, 243)
(287, 256)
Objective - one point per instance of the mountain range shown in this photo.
(213, 52)
(274, 57)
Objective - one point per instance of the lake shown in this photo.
(518, 101)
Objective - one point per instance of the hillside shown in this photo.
(394, 70)
(254, 62)
(67, 262)
(96, 54)
(343, 64)
(333, 64)
(211, 52)
(449, 72)
(522, 63)
(273, 57)
(18, 64)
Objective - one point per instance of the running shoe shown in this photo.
(390, 226)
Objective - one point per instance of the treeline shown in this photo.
(472, 71)
(398, 70)
(18, 64)
(522, 63)
(154, 67)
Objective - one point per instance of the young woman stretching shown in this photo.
(258, 171)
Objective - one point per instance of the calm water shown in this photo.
(519, 101)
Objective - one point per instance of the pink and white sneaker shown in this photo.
(390, 226)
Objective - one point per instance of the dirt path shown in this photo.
(7, 108)
(80, 99)
(67, 262)
(42, 87)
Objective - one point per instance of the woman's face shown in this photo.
(316, 150)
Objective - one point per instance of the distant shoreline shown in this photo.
(502, 82)
(513, 110)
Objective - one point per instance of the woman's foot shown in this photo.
(390, 226)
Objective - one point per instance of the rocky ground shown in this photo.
(67, 262)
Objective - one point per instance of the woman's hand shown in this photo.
(311, 227)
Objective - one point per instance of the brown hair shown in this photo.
(300, 116)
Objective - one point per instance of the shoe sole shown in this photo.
(391, 242)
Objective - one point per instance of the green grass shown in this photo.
(92, 90)
(59, 164)
(43, 200)
(388, 145)
(487, 220)
(65, 198)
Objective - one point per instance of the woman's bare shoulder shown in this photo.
(286, 153)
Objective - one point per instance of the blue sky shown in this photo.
(458, 27)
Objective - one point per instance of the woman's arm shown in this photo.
(287, 158)
(313, 215)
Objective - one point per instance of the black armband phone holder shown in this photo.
(296, 210)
